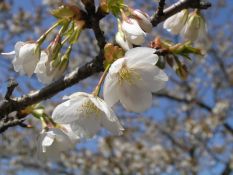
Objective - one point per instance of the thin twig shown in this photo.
(177, 7)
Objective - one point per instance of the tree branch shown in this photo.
(96, 65)
(159, 17)
(74, 77)
(12, 84)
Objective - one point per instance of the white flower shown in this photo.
(131, 79)
(133, 32)
(86, 113)
(143, 20)
(124, 43)
(25, 57)
(195, 27)
(46, 71)
(175, 23)
(51, 143)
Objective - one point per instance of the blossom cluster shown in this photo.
(191, 25)
(27, 59)
(130, 79)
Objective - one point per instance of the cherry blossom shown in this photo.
(133, 32)
(46, 71)
(86, 113)
(25, 57)
(195, 27)
(133, 78)
(143, 20)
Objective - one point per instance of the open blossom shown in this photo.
(46, 71)
(175, 23)
(51, 143)
(131, 80)
(25, 57)
(143, 20)
(195, 27)
(86, 113)
(133, 32)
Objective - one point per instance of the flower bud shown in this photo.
(133, 32)
(175, 23)
(195, 27)
(143, 20)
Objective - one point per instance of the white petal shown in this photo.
(136, 39)
(68, 111)
(48, 140)
(46, 72)
(29, 58)
(110, 90)
(41, 65)
(143, 20)
(132, 27)
(51, 143)
(86, 126)
(62, 141)
(99, 103)
(17, 64)
(112, 123)
(9, 54)
(77, 95)
(18, 46)
(29, 66)
(125, 44)
(194, 28)
(175, 23)
(67, 129)
(141, 55)
(134, 98)
(116, 66)
(153, 78)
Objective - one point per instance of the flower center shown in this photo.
(89, 108)
(128, 74)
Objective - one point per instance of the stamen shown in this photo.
(128, 74)
(89, 108)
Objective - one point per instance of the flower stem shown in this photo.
(43, 37)
(64, 41)
(98, 87)
(43, 122)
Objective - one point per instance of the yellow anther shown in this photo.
(128, 74)
(89, 108)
